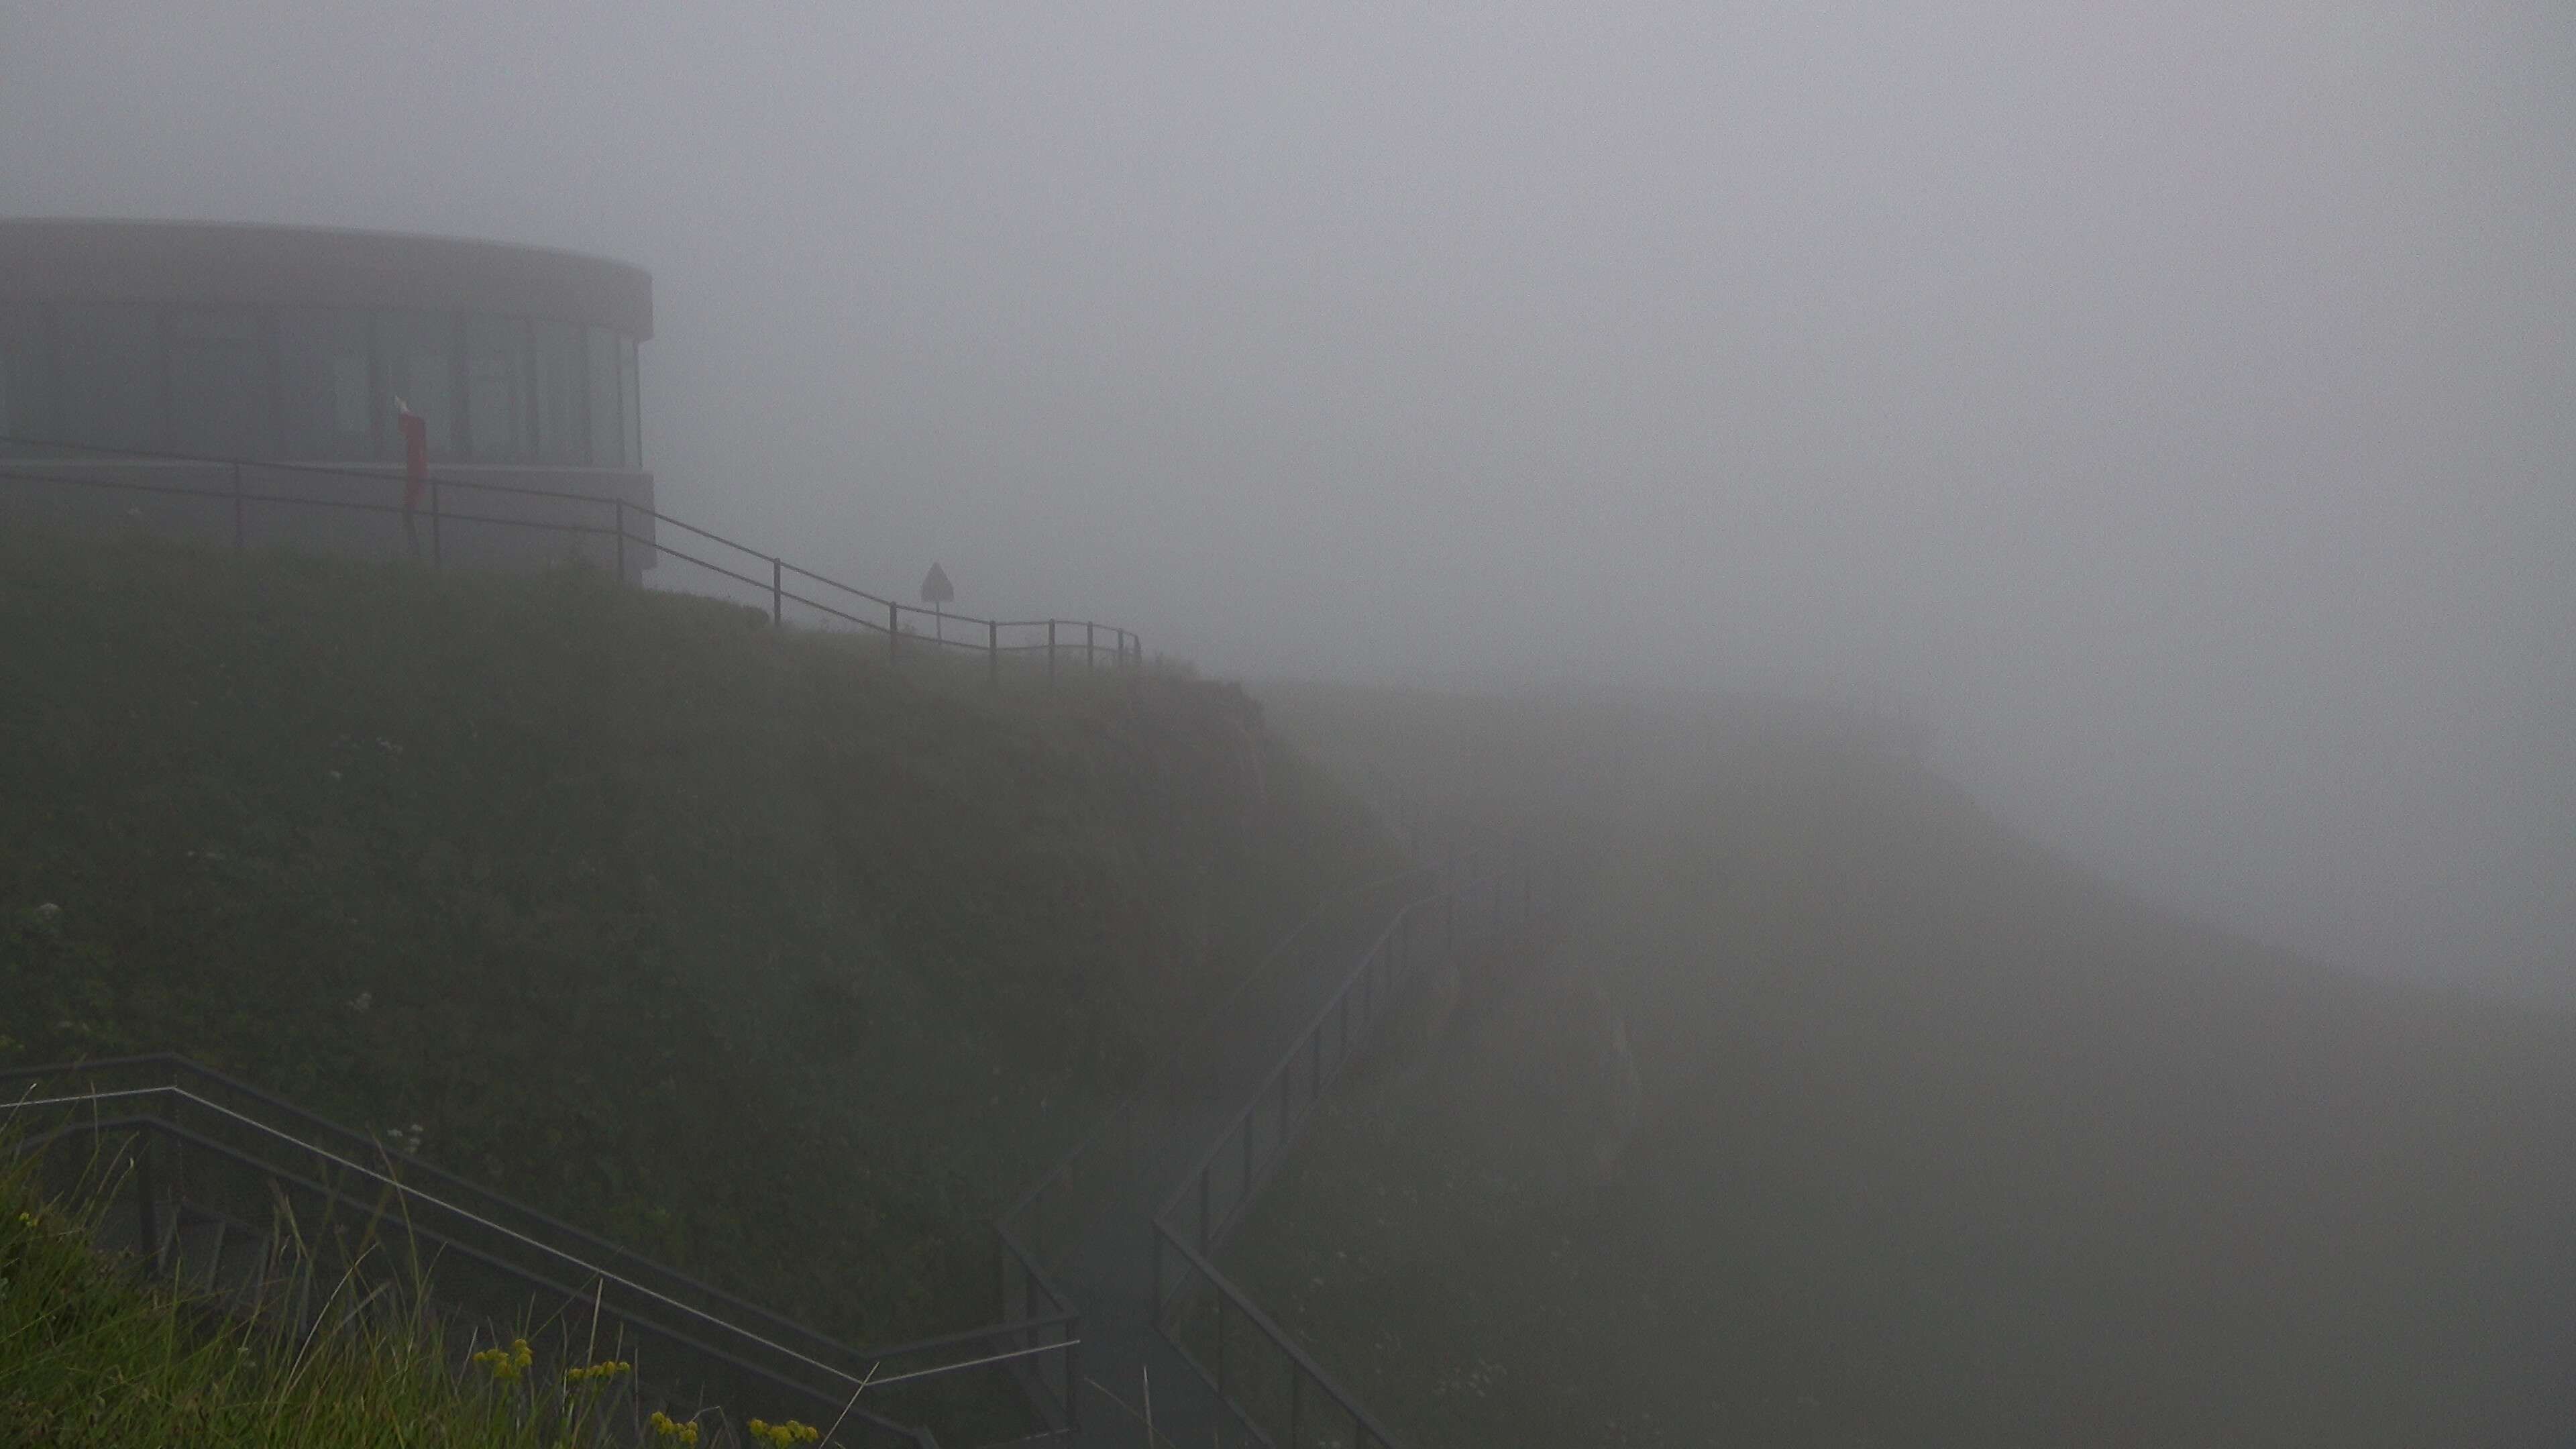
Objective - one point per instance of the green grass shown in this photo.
(749, 950)
(1933, 1139)
(92, 1353)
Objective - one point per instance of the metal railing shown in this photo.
(1264, 1380)
(215, 496)
(222, 1150)
(1072, 1195)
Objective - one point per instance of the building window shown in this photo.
(607, 401)
(107, 358)
(563, 394)
(633, 402)
(496, 389)
(23, 417)
(416, 363)
(323, 383)
(218, 381)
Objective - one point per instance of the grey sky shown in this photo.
(2184, 402)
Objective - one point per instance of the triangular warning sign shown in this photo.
(935, 588)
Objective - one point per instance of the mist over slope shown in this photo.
(1841, 1115)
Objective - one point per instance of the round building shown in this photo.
(159, 359)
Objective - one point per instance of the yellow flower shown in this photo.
(606, 1369)
(507, 1364)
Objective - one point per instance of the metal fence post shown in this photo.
(1073, 1358)
(147, 1206)
(993, 650)
(237, 508)
(777, 592)
(894, 629)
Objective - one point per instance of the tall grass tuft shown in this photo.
(93, 1352)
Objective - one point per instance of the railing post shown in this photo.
(237, 508)
(147, 1209)
(993, 650)
(621, 538)
(777, 593)
(1073, 1356)
(1050, 653)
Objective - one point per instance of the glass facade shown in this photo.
(563, 393)
(318, 383)
(607, 401)
(629, 403)
(23, 415)
(107, 374)
(416, 356)
(324, 381)
(218, 363)
(496, 390)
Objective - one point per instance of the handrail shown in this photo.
(446, 1243)
(1380, 965)
(1288, 1059)
(1167, 1064)
(492, 1204)
(179, 1065)
(1129, 648)
(1278, 1336)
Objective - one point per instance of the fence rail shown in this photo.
(222, 1150)
(630, 537)
(1264, 1380)
(1071, 1196)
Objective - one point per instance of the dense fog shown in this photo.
(2177, 404)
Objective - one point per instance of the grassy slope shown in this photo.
(750, 951)
(1940, 1141)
